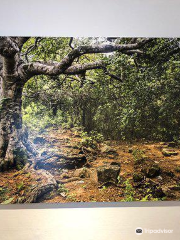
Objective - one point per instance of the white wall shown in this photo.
(154, 18)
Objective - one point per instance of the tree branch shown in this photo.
(54, 68)
(112, 75)
(70, 43)
(21, 41)
(8, 47)
(133, 51)
(81, 68)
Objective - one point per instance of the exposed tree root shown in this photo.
(60, 161)
(45, 184)
(70, 180)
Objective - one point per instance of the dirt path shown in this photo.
(88, 189)
(145, 173)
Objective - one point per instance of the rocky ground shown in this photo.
(67, 171)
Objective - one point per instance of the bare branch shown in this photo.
(70, 43)
(81, 68)
(133, 51)
(111, 75)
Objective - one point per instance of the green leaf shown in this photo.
(8, 201)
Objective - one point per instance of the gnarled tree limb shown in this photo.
(65, 66)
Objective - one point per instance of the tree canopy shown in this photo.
(130, 94)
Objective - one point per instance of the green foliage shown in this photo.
(139, 156)
(144, 104)
(21, 157)
(119, 179)
(72, 197)
(149, 197)
(8, 201)
(36, 118)
(91, 139)
(129, 192)
(3, 193)
(103, 188)
(20, 186)
(62, 189)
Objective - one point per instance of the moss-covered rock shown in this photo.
(108, 174)
(151, 171)
(172, 144)
(169, 152)
(158, 192)
(105, 149)
(138, 177)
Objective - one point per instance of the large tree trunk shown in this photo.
(12, 150)
(14, 72)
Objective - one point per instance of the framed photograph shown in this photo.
(89, 119)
